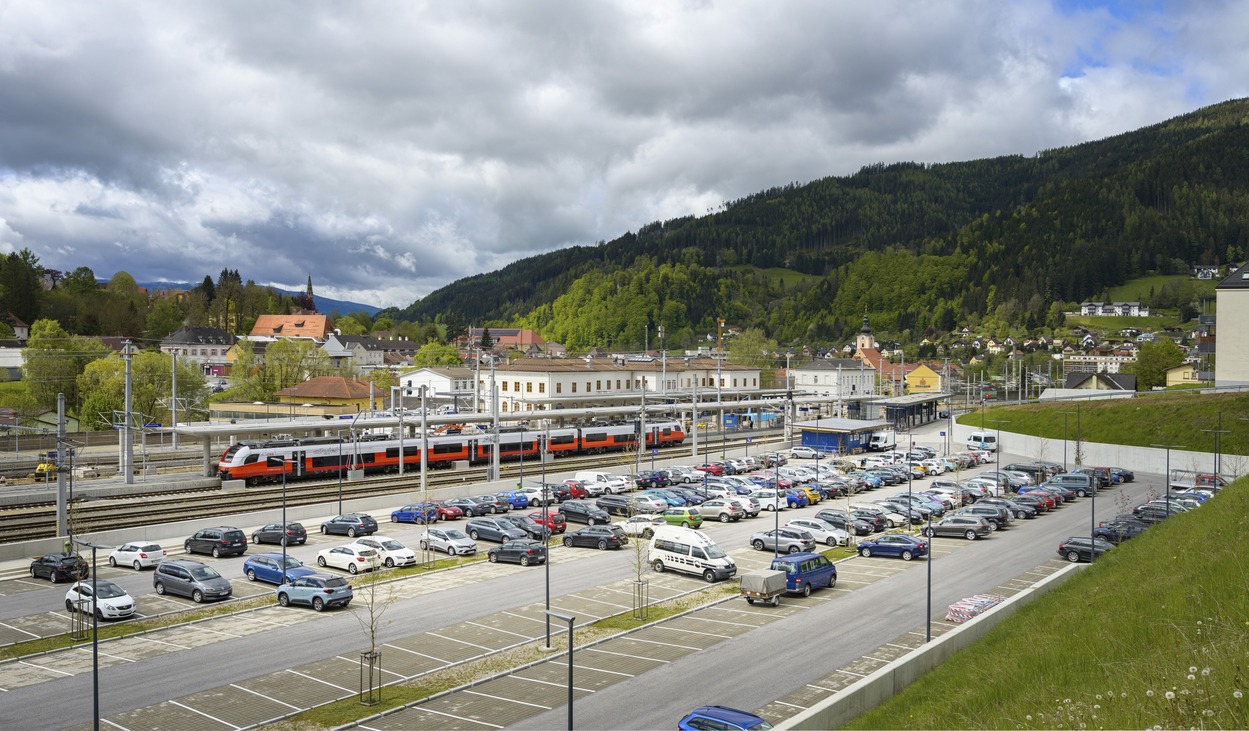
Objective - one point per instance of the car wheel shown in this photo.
(794, 549)
(321, 561)
(709, 576)
(750, 600)
(533, 503)
(216, 552)
(318, 604)
(1079, 493)
(568, 541)
(69, 605)
(351, 568)
(648, 534)
(138, 566)
(524, 560)
(112, 562)
(390, 563)
(473, 535)
(325, 531)
(971, 535)
(832, 582)
(197, 596)
(658, 567)
(831, 542)
(758, 545)
(424, 545)
(492, 509)
(160, 588)
(494, 558)
(602, 545)
(251, 575)
(1073, 556)
(284, 600)
(865, 552)
(99, 614)
(450, 550)
(351, 532)
(928, 532)
(907, 555)
(806, 590)
(725, 517)
(52, 577)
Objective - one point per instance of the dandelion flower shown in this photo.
(1029, 716)
(1192, 677)
(1192, 669)
(1170, 696)
(1207, 712)
(1149, 694)
(1098, 696)
(1205, 672)
(1237, 694)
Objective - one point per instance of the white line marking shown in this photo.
(791, 705)
(114, 723)
(496, 629)
(326, 682)
(692, 632)
(41, 667)
(509, 700)
(603, 670)
(458, 718)
(547, 682)
(205, 715)
(665, 644)
(522, 616)
(165, 642)
(820, 687)
(87, 651)
(625, 654)
(462, 642)
(356, 661)
(414, 652)
(701, 618)
(266, 697)
(18, 629)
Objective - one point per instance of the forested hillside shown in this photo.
(920, 247)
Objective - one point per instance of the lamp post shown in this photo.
(279, 462)
(546, 522)
(1218, 457)
(1065, 415)
(95, 635)
(928, 635)
(569, 619)
(1166, 485)
(776, 514)
(998, 439)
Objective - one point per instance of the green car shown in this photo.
(684, 517)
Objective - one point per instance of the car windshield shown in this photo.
(392, 545)
(204, 573)
(714, 551)
(454, 534)
(109, 590)
(292, 562)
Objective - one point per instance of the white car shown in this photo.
(641, 525)
(824, 532)
(112, 601)
(893, 518)
(769, 500)
(748, 504)
(687, 474)
(535, 497)
(352, 558)
(393, 552)
(806, 453)
(451, 540)
(140, 555)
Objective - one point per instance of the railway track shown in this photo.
(32, 521)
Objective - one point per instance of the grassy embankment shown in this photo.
(1154, 635)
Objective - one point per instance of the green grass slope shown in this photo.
(1154, 635)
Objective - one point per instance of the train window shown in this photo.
(566, 439)
(251, 458)
(596, 437)
(447, 448)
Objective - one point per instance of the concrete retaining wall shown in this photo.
(839, 709)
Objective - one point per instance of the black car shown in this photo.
(531, 527)
(220, 541)
(614, 504)
(911, 513)
(691, 496)
(524, 552)
(1151, 513)
(876, 521)
(470, 506)
(656, 479)
(350, 525)
(1017, 509)
(1124, 475)
(1036, 503)
(601, 537)
(493, 529)
(580, 511)
(1082, 548)
(839, 520)
(557, 490)
(493, 503)
(60, 567)
(275, 533)
(1118, 531)
(998, 516)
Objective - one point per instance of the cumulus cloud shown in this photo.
(387, 149)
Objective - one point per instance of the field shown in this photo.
(1110, 326)
(1136, 290)
(787, 277)
(1154, 635)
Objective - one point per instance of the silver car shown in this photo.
(784, 539)
(451, 540)
(822, 532)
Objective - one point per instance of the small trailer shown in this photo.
(765, 586)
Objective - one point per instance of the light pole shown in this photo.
(1065, 415)
(95, 635)
(1217, 450)
(720, 385)
(998, 439)
(928, 636)
(279, 462)
(1166, 485)
(776, 515)
(546, 522)
(569, 619)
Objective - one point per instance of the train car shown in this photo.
(664, 434)
(615, 438)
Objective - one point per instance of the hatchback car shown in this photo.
(493, 503)
(492, 529)
(221, 541)
(524, 552)
(350, 525)
(468, 506)
(821, 531)
(579, 511)
(1118, 531)
(319, 591)
(139, 555)
(513, 498)
(353, 558)
(721, 718)
(267, 567)
(421, 513)
(59, 567)
(392, 552)
(970, 527)
(193, 579)
(652, 479)
(453, 541)
(903, 546)
(553, 521)
(1082, 548)
(684, 517)
(601, 537)
(642, 526)
(106, 599)
(785, 539)
(291, 533)
(531, 527)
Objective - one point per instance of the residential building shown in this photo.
(333, 391)
(447, 386)
(1095, 363)
(1231, 363)
(1114, 309)
(1184, 374)
(311, 326)
(207, 346)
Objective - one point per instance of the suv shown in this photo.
(220, 541)
(275, 533)
(721, 718)
(350, 525)
(791, 540)
(321, 591)
(60, 566)
(579, 511)
(191, 579)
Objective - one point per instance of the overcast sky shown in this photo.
(387, 149)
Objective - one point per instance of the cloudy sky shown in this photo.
(388, 148)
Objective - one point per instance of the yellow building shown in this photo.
(1184, 374)
(922, 379)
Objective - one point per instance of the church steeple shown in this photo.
(309, 293)
(865, 340)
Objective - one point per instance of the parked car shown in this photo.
(652, 479)
(642, 526)
(806, 571)
(290, 534)
(689, 494)
(319, 591)
(721, 718)
(105, 599)
(453, 541)
(970, 527)
(536, 496)
(997, 516)
(786, 540)
(421, 513)
(1118, 531)
(806, 453)
(1082, 548)
(193, 579)
(722, 510)
(350, 525)
(839, 519)
(448, 512)
(493, 529)
(894, 544)
(601, 537)
(514, 498)
(684, 517)
(624, 504)
(352, 558)
(493, 503)
(579, 511)
(140, 555)
(552, 519)
(1018, 509)
(711, 468)
(267, 567)
(670, 499)
(221, 541)
(1151, 513)
(392, 552)
(468, 506)
(821, 531)
(525, 551)
(532, 528)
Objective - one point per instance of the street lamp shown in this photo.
(95, 635)
(279, 462)
(1218, 457)
(1166, 485)
(776, 514)
(928, 560)
(569, 619)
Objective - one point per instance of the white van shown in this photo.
(689, 551)
(982, 440)
(606, 481)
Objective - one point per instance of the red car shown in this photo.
(448, 512)
(555, 522)
(578, 490)
(1050, 501)
(711, 469)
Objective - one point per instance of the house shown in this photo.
(21, 331)
(509, 337)
(923, 379)
(1206, 271)
(311, 326)
(449, 386)
(365, 353)
(333, 391)
(206, 346)
(1231, 363)
(834, 378)
(1184, 374)
(1081, 381)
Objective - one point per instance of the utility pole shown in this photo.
(494, 410)
(173, 397)
(663, 363)
(720, 380)
(62, 512)
(127, 449)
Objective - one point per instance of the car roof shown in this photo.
(724, 713)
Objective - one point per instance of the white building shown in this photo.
(838, 379)
(1231, 363)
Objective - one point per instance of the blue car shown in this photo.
(319, 591)
(416, 513)
(514, 498)
(673, 500)
(721, 717)
(796, 498)
(267, 567)
(894, 544)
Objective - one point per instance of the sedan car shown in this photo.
(107, 600)
(601, 537)
(524, 552)
(492, 529)
(319, 591)
(786, 540)
(452, 541)
(350, 525)
(970, 527)
(823, 532)
(291, 533)
(352, 558)
(642, 526)
(467, 506)
(267, 567)
(392, 552)
(59, 567)
(422, 513)
(139, 555)
(904, 546)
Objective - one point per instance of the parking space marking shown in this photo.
(42, 667)
(625, 654)
(665, 644)
(578, 612)
(691, 632)
(539, 620)
(88, 651)
(509, 700)
(557, 685)
(423, 709)
(15, 629)
(326, 682)
(115, 724)
(791, 705)
(414, 652)
(356, 661)
(261, 695)
(603, 670)
(462, 642)
(725, 621)
(218, 631)
(166, 642)
(820, 687)
(205, 715)
(497, 629)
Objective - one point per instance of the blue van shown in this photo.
(806, 571)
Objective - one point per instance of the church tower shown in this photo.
(865, 339)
